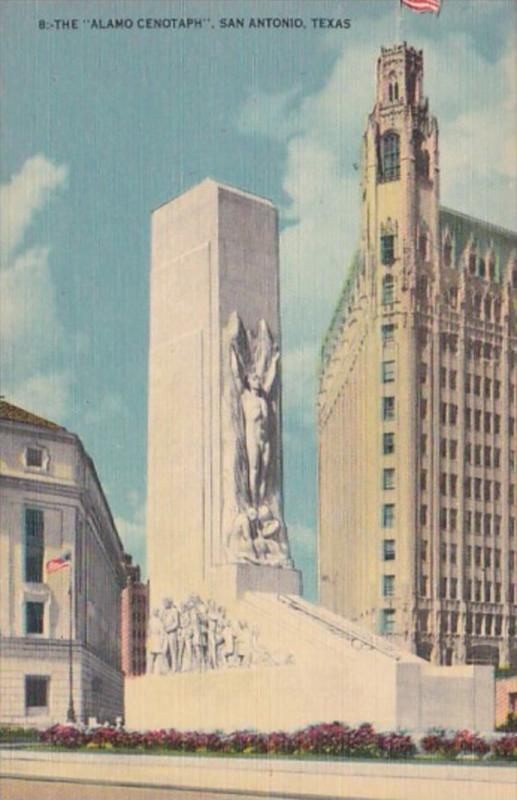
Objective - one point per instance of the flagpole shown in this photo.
(398, 23)
(70, 716)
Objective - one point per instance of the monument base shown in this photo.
(231, 581)
(312, 666)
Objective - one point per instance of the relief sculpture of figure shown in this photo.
(255, 389)
(171, 622)
(156, 643)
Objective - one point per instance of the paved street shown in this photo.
(16, 789)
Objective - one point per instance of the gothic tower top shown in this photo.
(399, 76)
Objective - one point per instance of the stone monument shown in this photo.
(215, 514)
(231, 643)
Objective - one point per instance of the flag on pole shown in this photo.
(421, 6)
(55, 564)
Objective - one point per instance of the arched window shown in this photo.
(488, 308)
(472, 263)
(390, 157)
(491, 267)
(388, 290)
(396, 91)
(422, 246)
(422, 289)
(481, 268)
(447, 252)
(497, 311)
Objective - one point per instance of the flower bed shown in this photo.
(333, 739)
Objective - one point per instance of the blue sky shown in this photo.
(101, 126)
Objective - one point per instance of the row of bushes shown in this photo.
(15, 733)
(333, 739)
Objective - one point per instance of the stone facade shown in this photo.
(417, 403)
(134, 609)
(52, 504)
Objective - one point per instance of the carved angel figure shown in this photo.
(254, 387)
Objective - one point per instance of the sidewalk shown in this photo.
(274, 778)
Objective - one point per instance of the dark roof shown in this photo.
(17, 414)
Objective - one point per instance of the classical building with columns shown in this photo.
(56, 535)
(417, 403)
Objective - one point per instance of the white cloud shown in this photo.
(132, 531)
(31, 332)
(24, 195)
(302, 538)
(47, 395)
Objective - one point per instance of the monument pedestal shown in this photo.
(311, 666)
(231, 581)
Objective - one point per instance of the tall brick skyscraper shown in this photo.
(417, 403)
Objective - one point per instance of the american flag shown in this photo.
(420, 6)
(55, 564)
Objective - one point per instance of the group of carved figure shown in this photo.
(197, 635)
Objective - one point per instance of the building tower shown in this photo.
(417, 403)
(134, 611)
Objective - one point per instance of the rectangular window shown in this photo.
(443, 413)
(477, 488)
(388, 408)
(423, 550)
(388, 585)
(453, 414)
(34, 457)
(36, 693)
(477, 455)
(388, 443)
(423, 480)
(388, 479)
(443, 377)
(453, 485)
(467, 383)
(497, 389)
(34, 617)
(423, 444)
(388, 621)
(453, 449)
(388, 515)
(477, 420)
(467, 519)
(497, 423)
(468, 418)
(488, 456)
(34, 545)
(468, 453)
(388, 549)
(477, 556)
(453, 378)
(423, 515)
(488, 422)
(454, 588)
(388, 371)
(477, 385)
(423, 585)
(387, 249)
(388, 333)
(454, 553)
(488, 387)
(477, 521)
